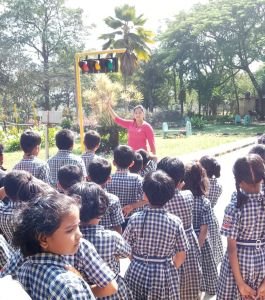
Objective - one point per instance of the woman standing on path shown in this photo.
(139, 131)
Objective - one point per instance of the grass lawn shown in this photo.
(211, 136)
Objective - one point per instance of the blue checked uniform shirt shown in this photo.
(36, 167)
(113, 216)
(246, 223)
(62, 158)
(155, 232)
(87, 158)
(7, 219)
(86, 260)
(44, 277)
(181, 205)
(128, 187)
(215, 191)
(5, 251)
(109, 244)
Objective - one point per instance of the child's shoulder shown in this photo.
(184, 193)
(174, 219)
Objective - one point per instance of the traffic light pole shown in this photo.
(78, 86)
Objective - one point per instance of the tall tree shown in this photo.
(238, 28)
(42, 29)
(130, 34)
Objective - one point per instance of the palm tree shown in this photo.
(130, 35)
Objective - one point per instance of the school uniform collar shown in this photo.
(154, 210)
(13, 204)
(89, 228)
(47, 258)
(254, 196)
(64, 151)
(29, 157)
(120, 170)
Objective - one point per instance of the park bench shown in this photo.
(167, 131)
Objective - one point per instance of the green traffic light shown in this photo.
(109, 65)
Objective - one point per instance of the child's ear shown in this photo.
(145, 198)
(180, 185)
(108, 179)
(132, 163)
(114, 164)
(43, 241)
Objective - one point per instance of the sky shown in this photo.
(155, 12)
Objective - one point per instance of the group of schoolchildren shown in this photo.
(67, 222)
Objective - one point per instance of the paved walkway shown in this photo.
(220, 150)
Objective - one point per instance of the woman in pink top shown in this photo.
(139, 131)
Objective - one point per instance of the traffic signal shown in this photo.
(99, 65)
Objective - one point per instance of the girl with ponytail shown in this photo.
(242, 274)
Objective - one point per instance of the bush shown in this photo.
(197, 122)
(66, 123)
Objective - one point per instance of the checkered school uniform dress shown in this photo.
(37, 167)
(191, 270)
(202, 215)
(150, 167)
(154, 233)
(5, 251)
(62, 158)
(111, 247)
(113, 216)
(44, 277)
(7, 217)
(126, 186)
(86, 260)
(248, 224)
(87, 158)
(215, 192)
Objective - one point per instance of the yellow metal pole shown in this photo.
(79, 102)
(78, 86)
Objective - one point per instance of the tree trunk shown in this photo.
(236, 94)
(113, 137)
(258, 90)
(175, 85)
(182, 93)
(46, 83)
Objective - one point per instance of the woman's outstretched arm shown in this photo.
(112, 112)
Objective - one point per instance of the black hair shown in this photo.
(92, 139)
(138, 163)
(249, 169)
(42, 216)
(196, 179)
(158, 187)
(22, 186)
(68, 175)
(93, 198)
(99, 170)
(29, 140)
(123, 156)
(145, 155)
(211, 165)
(64, 139)
(173, 167)
(258, 149)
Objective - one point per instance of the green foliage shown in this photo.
(66, 123)
(130, 34)
(197, 122)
